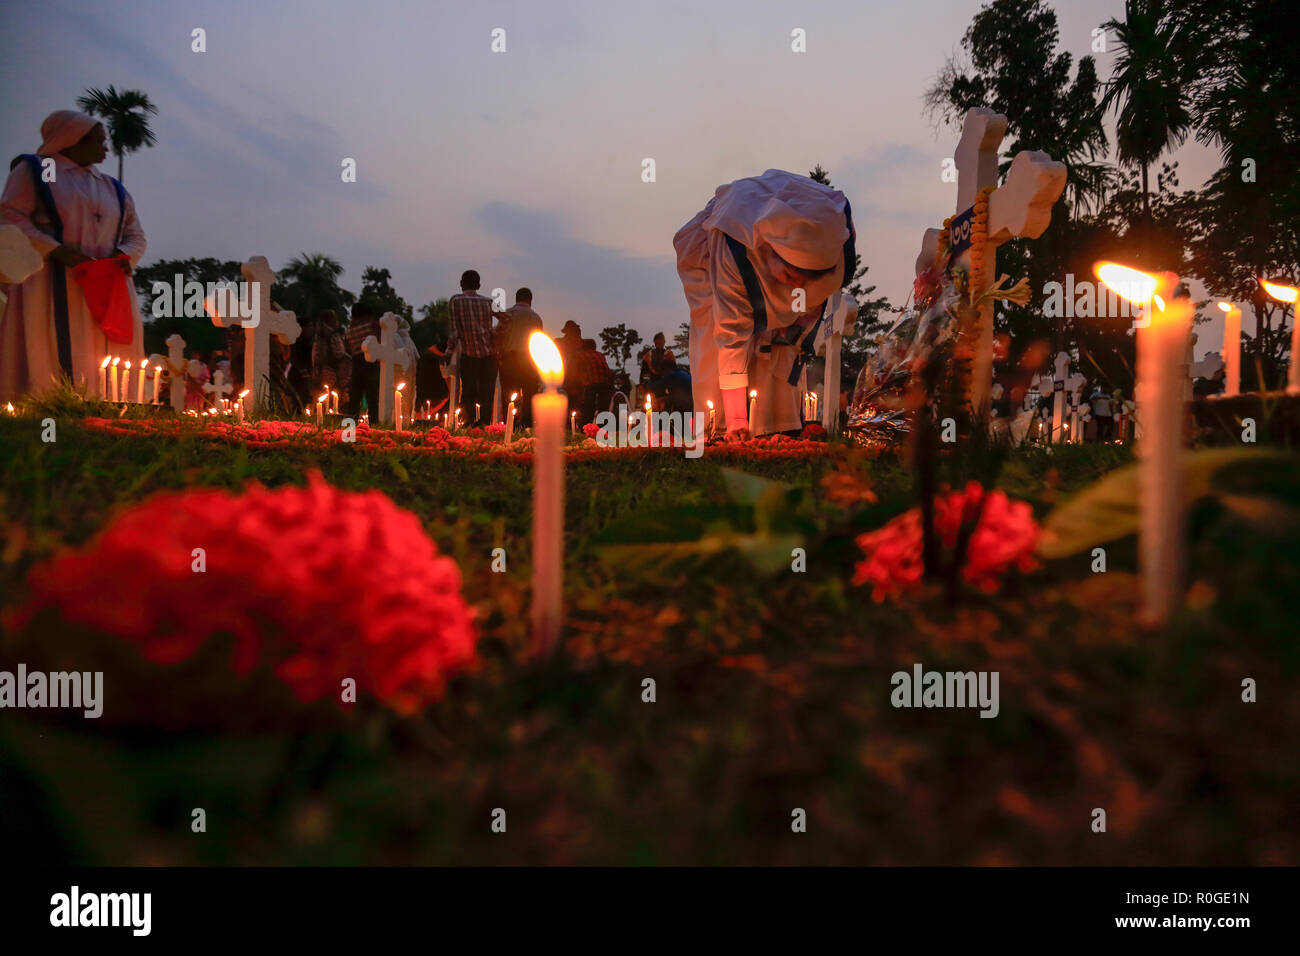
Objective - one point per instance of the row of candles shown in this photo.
(115, 380)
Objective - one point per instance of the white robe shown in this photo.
(724, 351)
(29, 352)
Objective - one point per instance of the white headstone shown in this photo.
(1062, 370)
(387, 351)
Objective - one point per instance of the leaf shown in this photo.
(398, 468)
(1108, 509)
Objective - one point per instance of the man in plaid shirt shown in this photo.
(471, 332)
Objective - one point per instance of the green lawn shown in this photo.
(773, 690)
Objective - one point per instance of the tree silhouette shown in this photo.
(126, 114)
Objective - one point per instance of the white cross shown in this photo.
(1062, 366)
(257, 338)
(176, 365)
(843, 311)
(387, 352)
(1020, 207)
(218, 388)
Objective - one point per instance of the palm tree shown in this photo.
(127, 115)
(309, 283)
(1146, 90)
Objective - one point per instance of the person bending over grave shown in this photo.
(72, 213)
(757, 265)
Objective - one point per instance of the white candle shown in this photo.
(115, 379)
(103, 378)
(126, 381)
(320, 408)
(548, 494)
(711, 414)
(157, 382)
(753, 399)
(573, 422)
(240, 403)
(1163, 334)
(477, 412)
(1231, 348)
(139, 391)
(510, 418)
(397, 405)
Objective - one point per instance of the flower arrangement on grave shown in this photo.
(302, 578)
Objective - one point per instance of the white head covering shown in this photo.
(801, 219)
(62, 129)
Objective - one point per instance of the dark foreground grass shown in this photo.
(772, 693)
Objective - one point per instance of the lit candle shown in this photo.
(1161, 353)
(115, 379)
(458, 416)
(510, 418)
(573, 422)
(753, 399)
(1286, 294)
(139, 391)
(711, 413)
(320, 407)
(397, 405)
(477, 412)
(103, 378)
(126, 381)
(239, 402)
(334, 402)
(1231, 348)
(548, 493)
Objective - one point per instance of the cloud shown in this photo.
(539, 244)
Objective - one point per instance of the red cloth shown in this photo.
(104, 285)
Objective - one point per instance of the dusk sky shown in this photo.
(525, 165)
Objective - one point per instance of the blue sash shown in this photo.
(58, 274)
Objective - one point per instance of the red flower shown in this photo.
(322, 584)
(813, 431)
(590, 429)
(1005, 537)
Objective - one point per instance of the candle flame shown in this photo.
(513, 396)
(710, 404)
(323, 397)
(243, 393)
(1283, 293)
(753, 393)
(128, 364)
(1131, 284)
(104, 364)
(117, 360)
(401, 385)
(1226, 307)
(545, 355)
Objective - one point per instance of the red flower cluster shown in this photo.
(322, 584)
(590, 429)
(1005, 537)
(813, 431)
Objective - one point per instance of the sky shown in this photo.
(524, 164)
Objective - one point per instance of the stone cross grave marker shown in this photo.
(176, 366)
(257, 337)
(386, 351)
(843, 309)
(1020, 208)
(218, 388)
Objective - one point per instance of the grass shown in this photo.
(772, 692)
